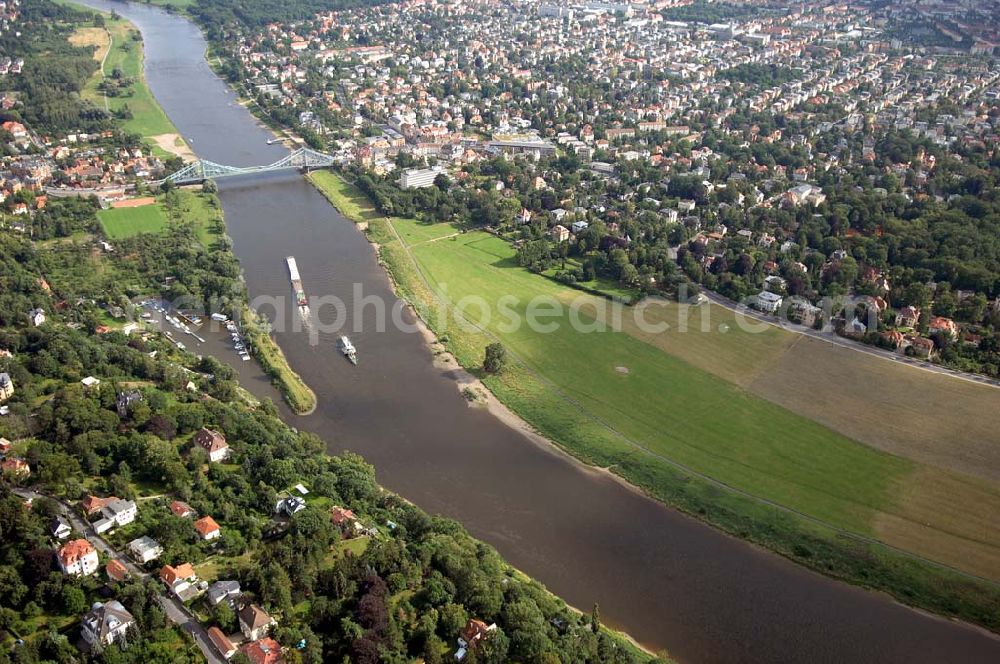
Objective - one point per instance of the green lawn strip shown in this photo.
(297, 393)
(347, 198)
(669, 407)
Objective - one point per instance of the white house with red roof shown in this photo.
(78, 558)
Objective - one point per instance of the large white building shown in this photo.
(106, 624)
(78, 558)
(418, 178)
(768, 301)
(115, 514)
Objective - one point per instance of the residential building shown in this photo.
(36, 317)
(116, 513)
(470, 636)
(255, 623)
(91, 505)
(181, 580)
(116, 571)
(214, 443)
(908, 317)
(77, 558)
(106, 624)
(343, 518)
(14, 468)
(942, 325)
(263, 651)
(181, 509)
(60, 528)
(290, 505)
(124, 401)
(207, 528)
(559, 233)
(6, 387)
(768, 302)
(145, 549)
(922, 346)
(221, 642)
(223, 591)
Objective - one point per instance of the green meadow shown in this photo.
(661, 403)
(188, 206)
(126, 222)
(687, 436)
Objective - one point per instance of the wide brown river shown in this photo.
(669, 580)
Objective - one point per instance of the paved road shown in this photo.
(830, 337)
(175, 610)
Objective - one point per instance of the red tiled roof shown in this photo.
(181, 509)
(116, 570)
(206, 525)
(220, 641)
(341, 515)
(263, 651)
(171, 575)
(74, 551)
(211, 441)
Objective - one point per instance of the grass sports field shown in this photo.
(680, 414)
(189, 206)
(126, 222)
(118, 47)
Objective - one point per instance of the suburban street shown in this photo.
(831, 337)
(175, 610)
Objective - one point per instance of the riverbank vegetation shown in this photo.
(299, 396)
(696, 441)
(119, 83)
(357, 574)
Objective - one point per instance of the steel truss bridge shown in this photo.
(202, 170)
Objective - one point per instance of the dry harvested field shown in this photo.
(927, 417)
(944, 516)
(924, 416)
(92, 37)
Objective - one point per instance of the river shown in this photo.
(669, 580)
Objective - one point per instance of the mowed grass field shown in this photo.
(126, 222)
(193, 207)
(641, 404)
(120, 48)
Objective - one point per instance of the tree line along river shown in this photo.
(668, 580)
